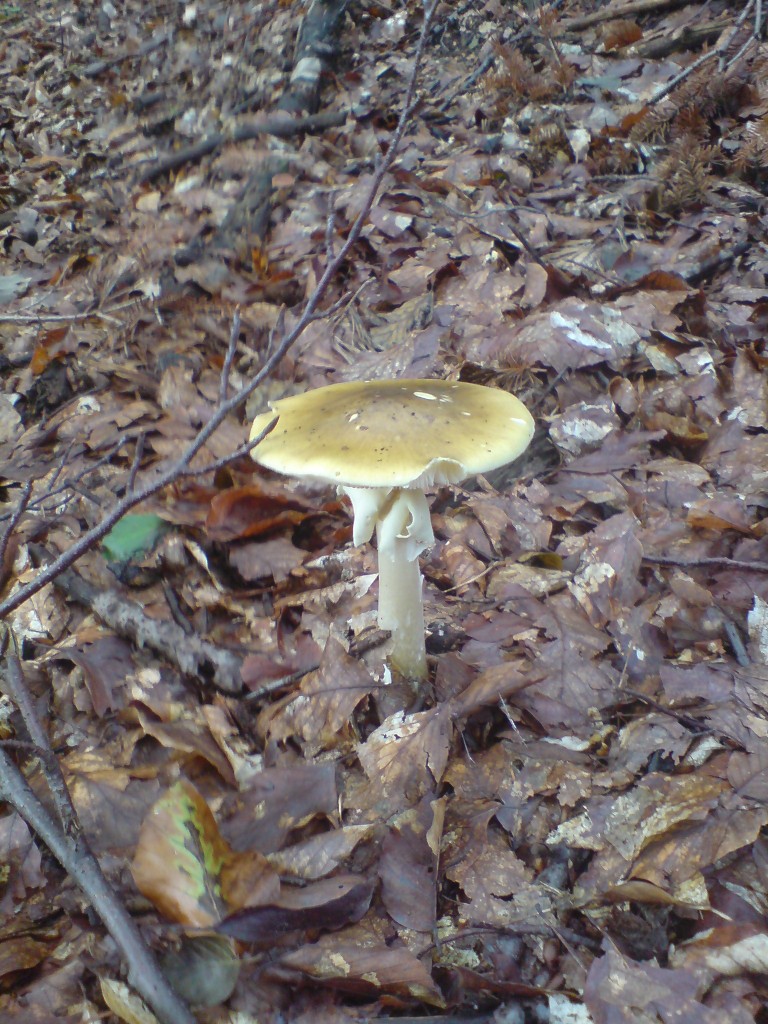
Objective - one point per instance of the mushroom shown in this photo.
(383, 442)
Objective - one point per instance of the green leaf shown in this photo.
(132, 536)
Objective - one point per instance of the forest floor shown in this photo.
(566, 822)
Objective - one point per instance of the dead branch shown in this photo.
(628, 10)
(16, 687)
(315, 48)
(79, 862)
(706, 563)
(193, 656)
(692, 37)
(68, 318)
(13, 521)
(98, 67)
(282, 125)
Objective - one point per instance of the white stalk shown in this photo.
(403, 531)
(401, 610)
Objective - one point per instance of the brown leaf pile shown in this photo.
(570, 817)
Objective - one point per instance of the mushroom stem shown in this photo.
(403, 531)
(401, 609)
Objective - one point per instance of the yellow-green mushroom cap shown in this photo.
(393, 433)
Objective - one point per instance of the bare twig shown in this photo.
(282, 125)
(68, 318)
(687, 721)
(723, 64)
(97, 67)
(727, 65)
(16, 687)
(51, 491)
(707, 563)
(68, 844)
(135, 464)
(673, 83)
(487, 62)
(616, 11)
(229, 356)
(330, 224)
(227, 460)
(691, 38)
(734, 639)
(469, 82)
(13, 519)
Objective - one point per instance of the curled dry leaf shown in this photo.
(328, 904)
(185, 867)
(321, 854)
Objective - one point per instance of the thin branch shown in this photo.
(673, 83)
(97, 67)
(687, 721)
(135, 464)
(488, 61)
(727, 65)
(193, 656)
(737, 644)
(51, 491)
(281, 124)
(229, 356)
(13, 519)
(719, 52)
(723, 64)
(17, 689)
(707, 563)
(330, 223)
(69, 846)
(615, 11)
(68, 318)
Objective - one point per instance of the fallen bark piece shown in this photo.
(192, 655)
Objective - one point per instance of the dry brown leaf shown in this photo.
(124, 1003)
(321, 854)
(408, 865)
(406, 756)
(369, 971)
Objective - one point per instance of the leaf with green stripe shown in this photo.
(179, 858)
